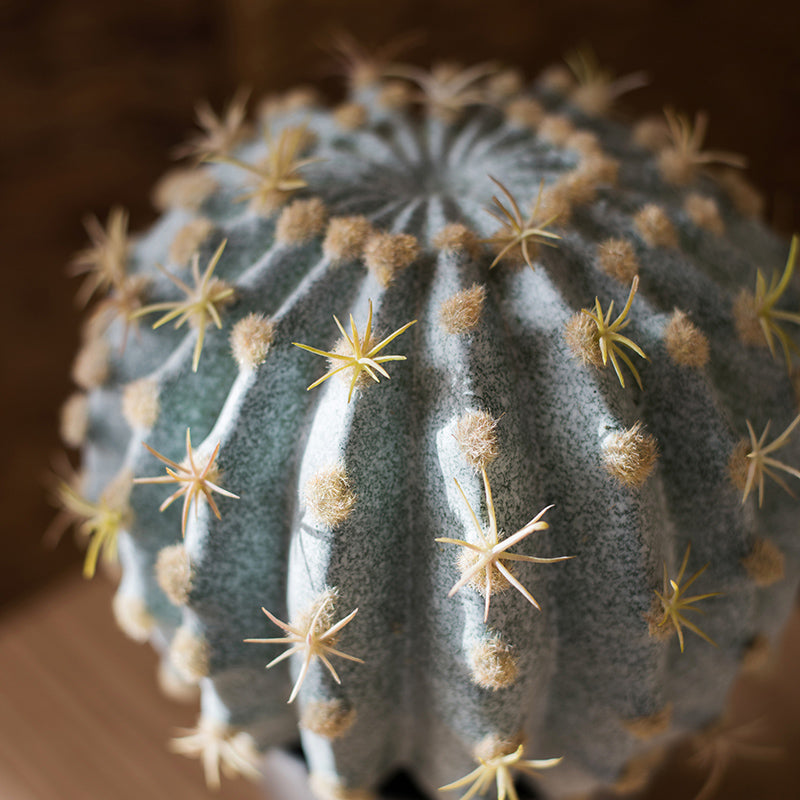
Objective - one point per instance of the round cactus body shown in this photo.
(472, 402)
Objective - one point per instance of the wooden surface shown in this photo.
(81, 717)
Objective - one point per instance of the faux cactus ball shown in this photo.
(466, 409)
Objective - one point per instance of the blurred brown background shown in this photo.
(94, 96)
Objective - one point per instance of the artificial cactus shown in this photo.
(458, 267)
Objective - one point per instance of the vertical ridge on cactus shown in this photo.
(363, 484)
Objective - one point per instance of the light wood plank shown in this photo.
(81, 717)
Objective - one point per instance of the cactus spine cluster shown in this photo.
(472, 543)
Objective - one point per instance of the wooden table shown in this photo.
(81, 717)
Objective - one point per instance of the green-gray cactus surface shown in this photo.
(475, 540)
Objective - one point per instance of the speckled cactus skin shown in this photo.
(587, 663)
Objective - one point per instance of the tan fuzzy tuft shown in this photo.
(631, 455)
(140, 403)
(251, 339)
(132, 617)
(173, 687)
(686, 343)
(555, 129)
(557, 78)
(346, 238)
(300, 98)
(458, 238)
(655, 226)
(493, 664)
(466, 561)
(476, 436)
(326, 788)
(580, 333)
(676, 167)
(395, 95)
(617, 259)
(704, 212)
(269, 201)
(525, 112)
(656, 628)
(594, 98)
(301, 221)
(320, 609)
(599, 169)
(739, 464)
(343, 347)
(504, 85)
(188, 240)
(496, 746)
(555, 203)
(745, 318)
(577, 186)
(747, 200)
(639, 769)
(757, 658)
(646, 728)
(91, 366)
(189, 655)
(652, 133)
(350, 116)
(765, 564)
(74, 419)
(185, 188)
(388, 254)
(585, 142)
(296, 99)
(328, 718)
(174, 573)
(461, 313)
(329, 498)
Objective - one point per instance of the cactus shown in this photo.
(448, 416)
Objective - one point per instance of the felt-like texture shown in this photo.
(587, 662)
